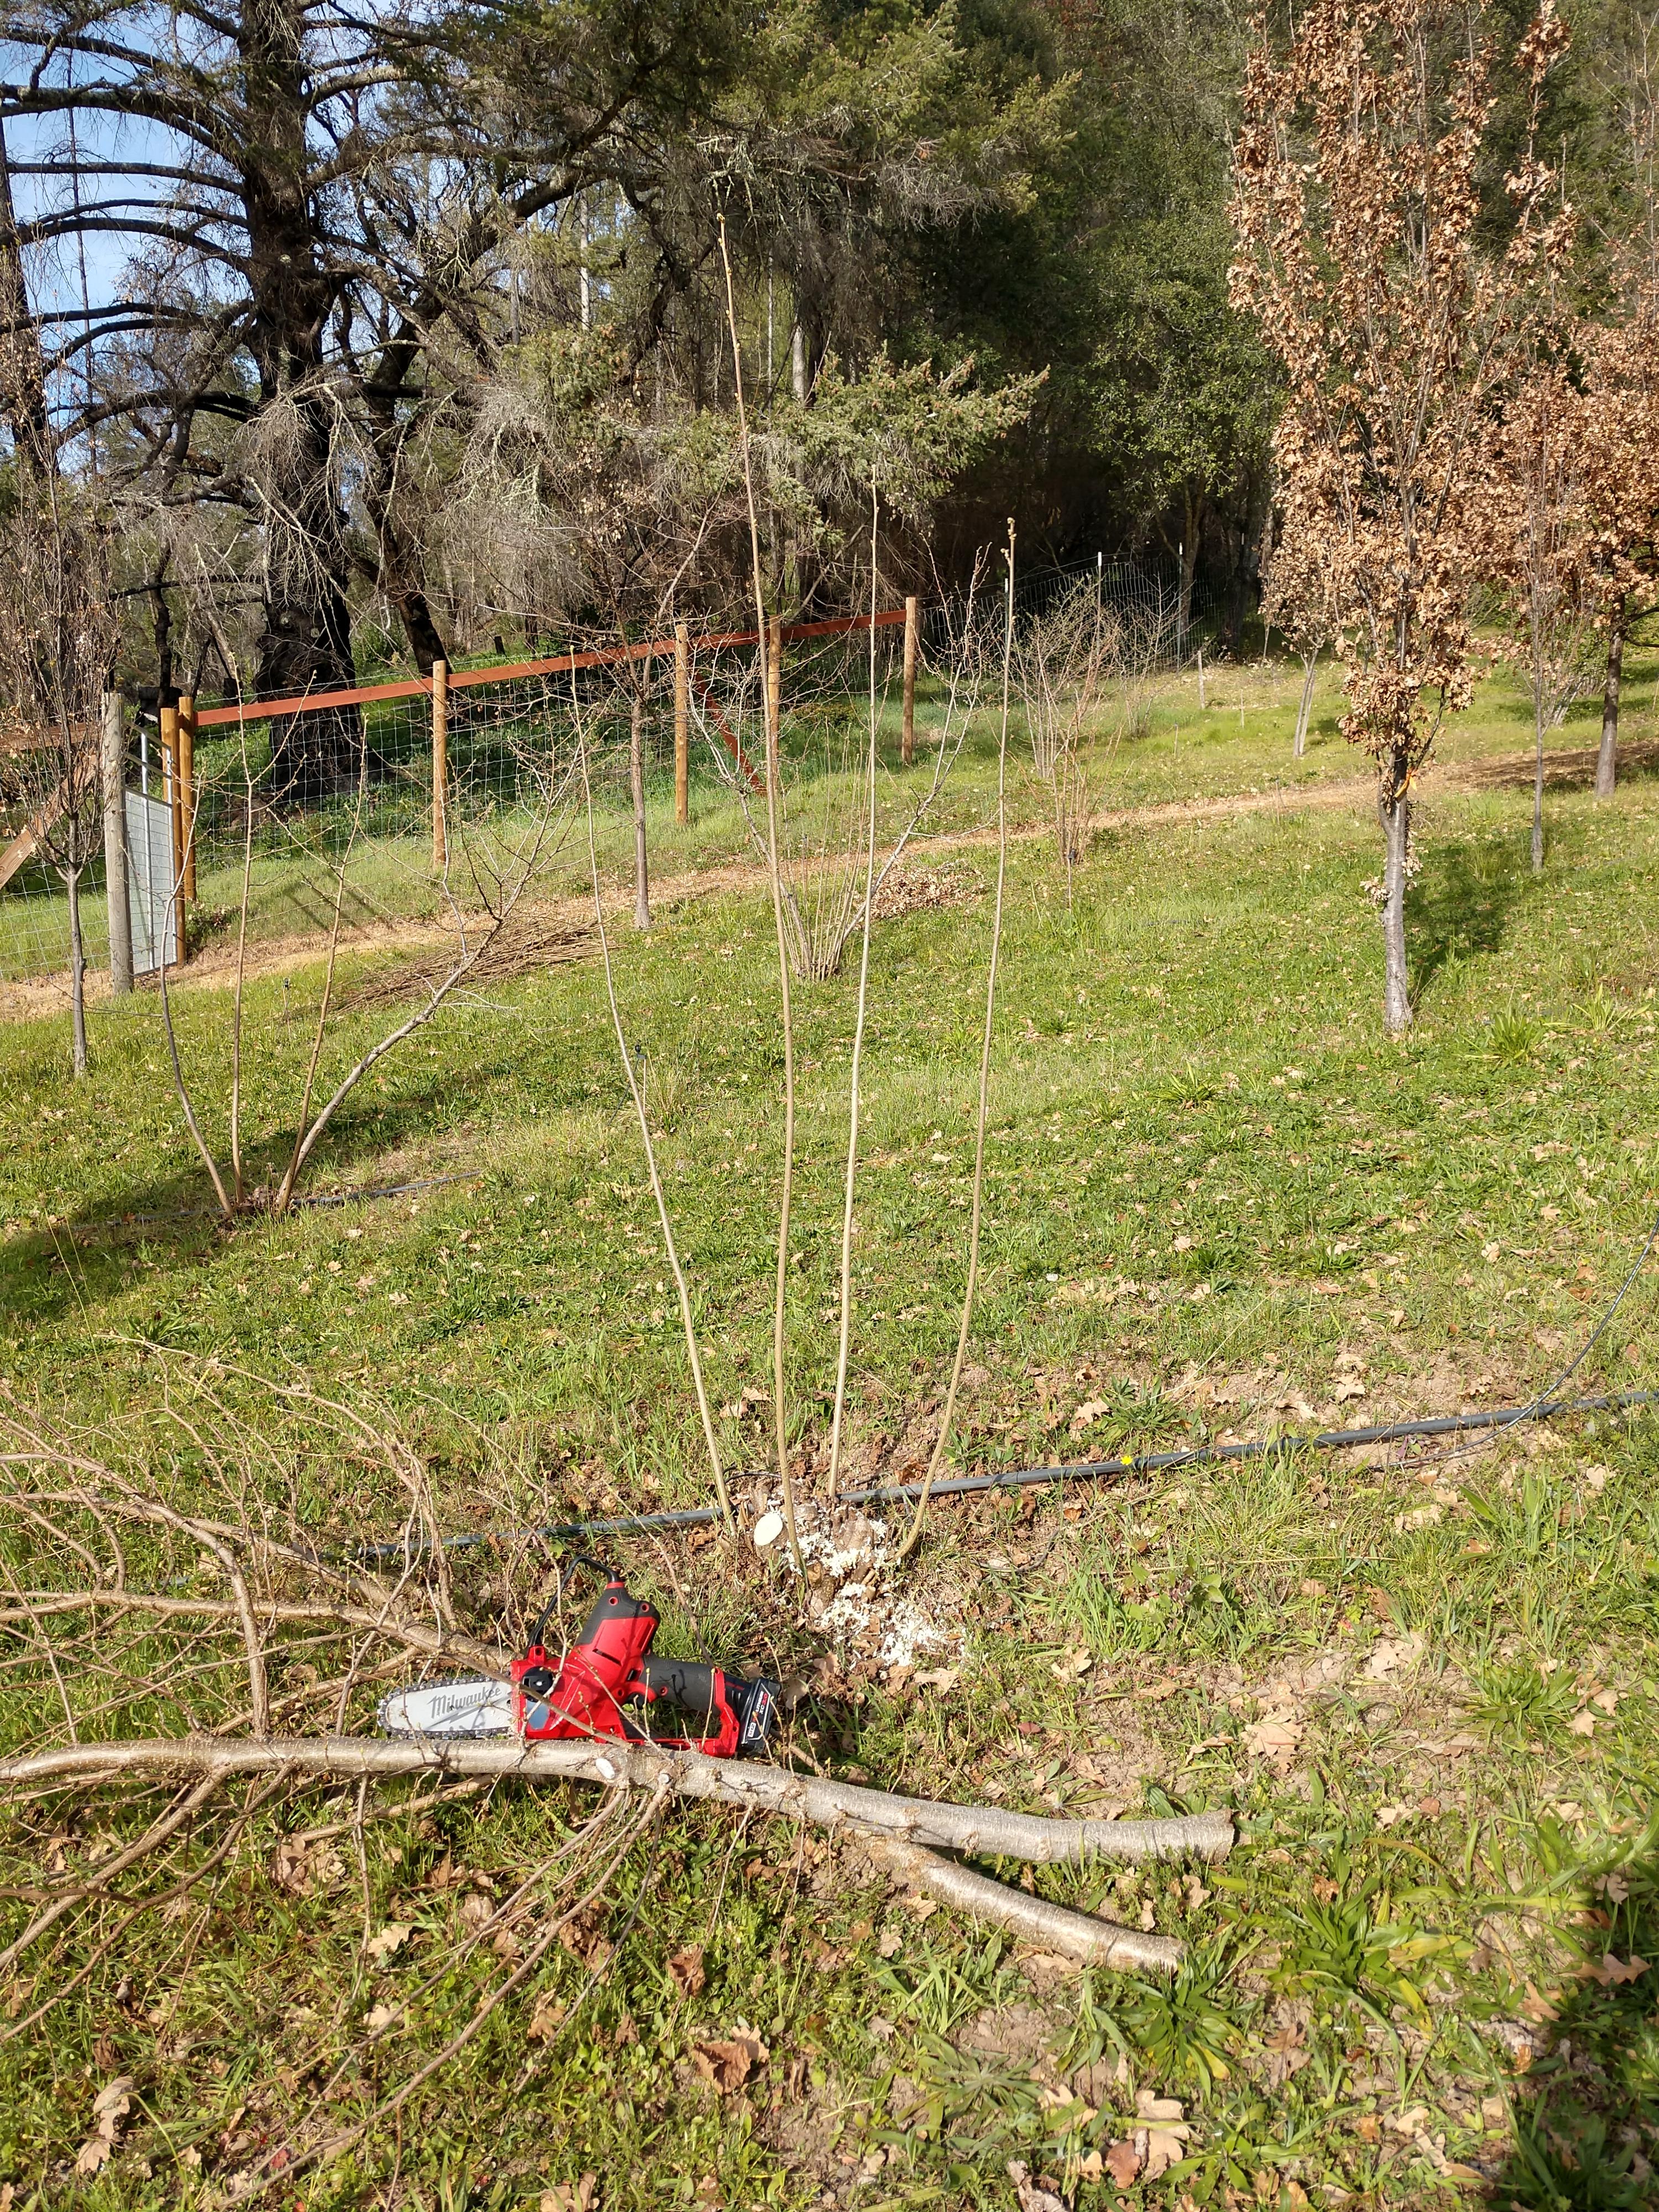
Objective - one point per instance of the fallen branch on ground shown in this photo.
(905, 1834)
(1082, 1936)
(986, 1831)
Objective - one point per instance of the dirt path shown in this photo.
(559, 928)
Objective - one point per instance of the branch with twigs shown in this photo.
(100, 1548)
(498, 886)
(983, 1830)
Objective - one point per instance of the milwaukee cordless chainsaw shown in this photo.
(609, 1669)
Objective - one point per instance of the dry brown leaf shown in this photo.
(390, 1940)
(113, 2103)
(1123, 2162)
(1411, 2123)
(1287, 2052)
(548, 2012)
(1274, 1738)
(290, 1867)
(1536, 2007)
(1582, 1723)
(891, 1942)
(687, 1972)
(1161, 2148)
(578, 2196)
(1391, 1655)
(1419, 1517)
(729, 2062)
(109, 2108)
(1611, 1971)
(91, 2154)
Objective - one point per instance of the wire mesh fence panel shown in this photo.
(316, 818)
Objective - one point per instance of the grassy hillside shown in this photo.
(1219, 1204)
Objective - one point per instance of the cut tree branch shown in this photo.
(984, 1831)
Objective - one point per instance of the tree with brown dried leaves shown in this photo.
(1531, 533)
(1357, 212)
(1621, 464)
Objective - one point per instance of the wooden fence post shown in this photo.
(113, 733)
(682, 723)
(187, 792)
(440, 767)
(168, 718)
(908, 746)
(773, 691)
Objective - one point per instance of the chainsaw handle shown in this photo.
(607, 1574)
(688, 1683)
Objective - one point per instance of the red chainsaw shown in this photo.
(607, 1685)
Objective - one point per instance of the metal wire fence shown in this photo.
(327, 803)
(305, 808)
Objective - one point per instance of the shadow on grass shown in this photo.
(1461, 903)
(1587, 2113)
(1566, 768)
(161, 1231)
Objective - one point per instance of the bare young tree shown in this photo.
(492, 866)
(56, 645)
(1357, 211)
(1062, 661)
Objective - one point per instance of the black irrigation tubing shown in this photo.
(1208, 1455)
(1093, 1470)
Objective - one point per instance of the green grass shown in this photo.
(1191, 1096)
(1237, 745)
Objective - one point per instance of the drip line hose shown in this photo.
(1027, 1478)
(1543, 1408)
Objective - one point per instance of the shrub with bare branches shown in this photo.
(1062, 662)
(56, 647)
